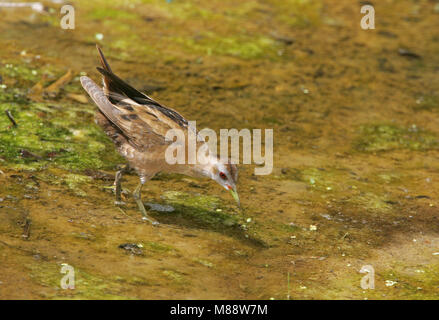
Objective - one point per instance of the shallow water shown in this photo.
(355, 175)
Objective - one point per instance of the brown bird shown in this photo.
(137, 125)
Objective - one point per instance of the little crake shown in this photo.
(137, 125)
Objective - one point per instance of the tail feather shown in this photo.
(104, 62)
(100, 99)
(109, 85)
(114, 84)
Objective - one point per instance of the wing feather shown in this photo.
(121, 87)
(137, 129)
(141, 119)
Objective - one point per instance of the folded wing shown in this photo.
(141, 119)
(139, 132)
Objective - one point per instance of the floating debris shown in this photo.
(281, 38)
(132, 248)
(11, 118)
(35, 93)
(390, 283)
(204, 263)
(422, 197)
(26, 228)
(409, 54)
(84, 235)
(99, 175)
(53, 90)
(385, 137)
(304, 90)
(29, 155)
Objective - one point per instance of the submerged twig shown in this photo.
(27, 154)
(11, 118)
(407, 53)
(26, 228)
(345, 235)
(53, 90)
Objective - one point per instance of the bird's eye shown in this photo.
(223, 175)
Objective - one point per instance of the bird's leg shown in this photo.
(139, 202)
(117, 183)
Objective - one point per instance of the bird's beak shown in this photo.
(235, 196)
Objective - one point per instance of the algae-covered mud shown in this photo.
(355, 180)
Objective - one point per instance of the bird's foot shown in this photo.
(148, 219)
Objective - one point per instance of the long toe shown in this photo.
(153, 222)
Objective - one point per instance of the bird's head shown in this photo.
(226, 174)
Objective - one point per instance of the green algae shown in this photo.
(135, 281)
(74, 182)
(427, 103)
(54, 138)
(176, 277)
(204, 262)
(110, 14)
(51, 133)
(201, 208)
(182, 10)
(208, 212)
(402, 282)
(322, 178)
(389, 284)
(244, 47)
(371, 201)
(385, 137)
(299, 13)
(346, 188)
(21, 72)
(87, 285)
(421, 284)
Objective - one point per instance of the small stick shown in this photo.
(26, 229)
(27, 154)
(345, 235)
(11, 118)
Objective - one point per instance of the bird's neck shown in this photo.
(205, 169)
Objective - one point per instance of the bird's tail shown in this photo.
(109, 85)
(104, 62)
(100, 98)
